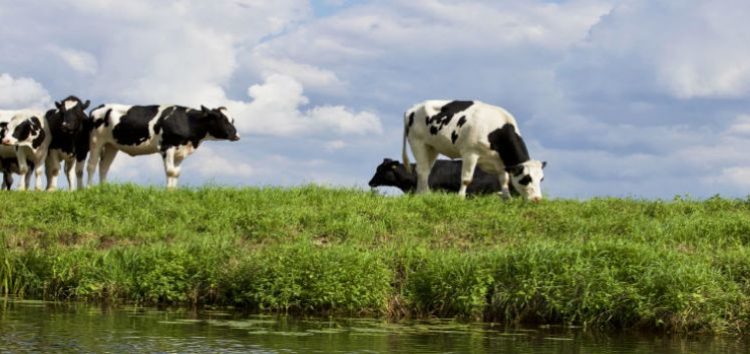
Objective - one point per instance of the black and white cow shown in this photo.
(70, 128)
(480, 134)
(173, 131)
(445, 176)
(8, 159)
(28, 133)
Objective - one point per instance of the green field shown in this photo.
(680, 265)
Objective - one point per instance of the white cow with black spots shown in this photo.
(28, 133)
(481, 134)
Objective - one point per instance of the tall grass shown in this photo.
(680, 265)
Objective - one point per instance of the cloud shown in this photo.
(276, 109)
(78, 60)
(22, 92)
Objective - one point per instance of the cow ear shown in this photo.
(544, 164)
(204, 109)
(58, 105)
(86, 105)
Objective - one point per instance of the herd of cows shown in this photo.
(481, 135)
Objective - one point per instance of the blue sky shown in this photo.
(622, 98)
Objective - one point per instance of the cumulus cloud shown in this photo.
(22, 92)
(277, 109)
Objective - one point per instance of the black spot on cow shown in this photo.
(30, 127)
(454, 137)
(509, 145)
(182, 125)
(461, 122)
(36, 127)
(411, 122)
(434, 130)
(447, 112)
(133, 126)
(525, 180)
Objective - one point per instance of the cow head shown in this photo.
(527, 178)
(393, 174)
(73, 113)
(24, 131)
(220, 123)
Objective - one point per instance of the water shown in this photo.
(34, 326)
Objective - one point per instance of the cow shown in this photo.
(172, 131)
(70, 128)
(7, 153)
(481, 135)
(28, 133)
(445, 176)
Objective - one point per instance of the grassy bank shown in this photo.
(678, 265)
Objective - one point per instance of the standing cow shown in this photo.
(70, 128)
(28, 133)
(481, 135)
(173, 131)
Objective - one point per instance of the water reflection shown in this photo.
(34, 326)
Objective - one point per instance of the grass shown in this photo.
(679, 266)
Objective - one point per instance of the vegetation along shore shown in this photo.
(680, 265)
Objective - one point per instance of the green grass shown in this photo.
(681, 265)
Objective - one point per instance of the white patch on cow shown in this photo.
(69, 104)
(225, 112)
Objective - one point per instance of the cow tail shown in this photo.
(404, 154)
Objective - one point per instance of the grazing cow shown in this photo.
(481, 135)
(70, 127)
(28, 133)
(173, 131)
(445, 175)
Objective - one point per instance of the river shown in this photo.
(36, 326)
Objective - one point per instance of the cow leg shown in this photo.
(7, 180)
(80, 164)
(23, 170)
(70, 173)
(52, 168)
(170, 169)
(38, 170)
(505, 189)
(467, 172)
(95, 150)
(108, 155)
(177, 169)
(425, 157)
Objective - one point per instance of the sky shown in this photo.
(630, 98)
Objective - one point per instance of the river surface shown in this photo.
(45, 327)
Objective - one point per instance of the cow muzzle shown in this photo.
(7, 141)
(235, 138)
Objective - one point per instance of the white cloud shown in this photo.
(277, 109)
(22, 93)
(78, 60)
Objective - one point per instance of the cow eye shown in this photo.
(525, 180)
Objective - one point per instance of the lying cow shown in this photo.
(69, 127)
(445, 176)
(173, 131)
(28, 133)
(481, 135)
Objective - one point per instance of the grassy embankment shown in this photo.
(676, 265)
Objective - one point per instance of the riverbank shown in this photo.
(679, 266)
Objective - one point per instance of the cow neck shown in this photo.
(509, 145)
(197, 125)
